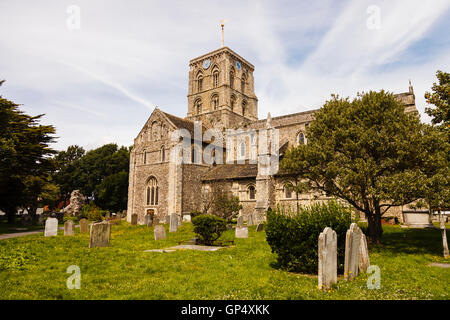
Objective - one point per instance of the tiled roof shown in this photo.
(231, 171)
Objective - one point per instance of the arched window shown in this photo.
(215, 102)
(251, 192)
(199, 82)
(163, 154)
(301, 138)
(198, 106)
(152, 192)
(287, 192)
(233, 102)
(243, 83)
(215, 78)
(231, 79)
(244, 108)
(243, 149)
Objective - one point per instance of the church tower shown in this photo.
(221, 90)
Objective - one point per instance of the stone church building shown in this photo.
(221, 95)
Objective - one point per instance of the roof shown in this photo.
(231, 171)
(183, 123)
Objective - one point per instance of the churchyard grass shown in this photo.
(34, 267)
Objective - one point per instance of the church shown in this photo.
(221, 95)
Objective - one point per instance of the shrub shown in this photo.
(208, 228)
(91, 212)
(294, 236)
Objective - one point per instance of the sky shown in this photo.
(97, 69)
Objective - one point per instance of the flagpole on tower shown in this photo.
(222, 24)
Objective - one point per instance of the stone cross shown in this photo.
(100, 234)
(240, 221)
(241, 232)
(148, 221)
(327, 258)
(260, 227)
(51, 227)
(173, 222)
(160, 232)
(352, 241)
(134, 219)
(84, 226)
(364, 261)
(69, 228)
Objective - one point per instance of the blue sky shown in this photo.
(99, 84)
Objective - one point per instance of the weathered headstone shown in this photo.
(250, 219)
(187, 218)
(173, 222)
(352, 241)
(240, 221)
(327, 258)
(51, 227)
(260, 227)
(84, 226)
(364, 261)
(69, 228)
(160, 232)
(148, 220)
(241, 232)
(134, 219)
(180, 221)
(100, 234)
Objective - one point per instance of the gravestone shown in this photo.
(187, 218)
(173, 222)
(148, 220)
(241, 232)
(84, 226)
(100, 234)
(180, 221)
(51, 227)
(134, 219)
(352, 241)
(240, 221)
(364, 261)
(250, 220)
(160, 232)
(260, 227)
(155, 220)
(69, 228)
(108, 215)
(327, 258)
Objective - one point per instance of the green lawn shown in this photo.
(34, 267)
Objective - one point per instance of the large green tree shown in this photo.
(24, 153)
(366, 151)
(440, 98)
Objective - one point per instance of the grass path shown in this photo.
(34, 267)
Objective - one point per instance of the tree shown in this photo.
(366, 151)
(226, 205)
(24, 152)
(38, 189)
(440, 98)
(437, 185)
(112, 192)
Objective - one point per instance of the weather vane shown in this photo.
(222, 24)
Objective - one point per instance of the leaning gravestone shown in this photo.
(84, 226)
(327, 258)
(134, 218)
(100, 234)
(352, 241)
(69, 228)
(250, 220)
(173, 222)
(148, 220)
(241, 232)
(240, 221)
(160, 232)
(364, 261)
(51, 227)
(260, 227)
